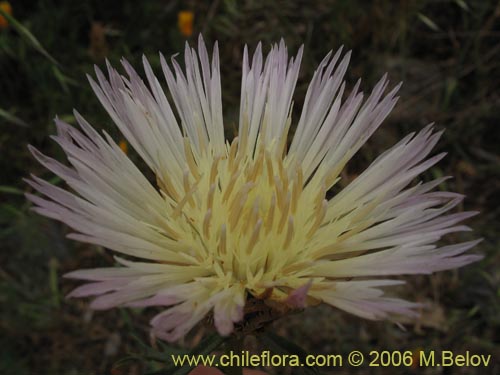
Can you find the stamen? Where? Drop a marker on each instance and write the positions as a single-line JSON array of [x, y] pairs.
[[243, 192], [300, 178], [253, 215], [213, 170], [230, 186], [284, 213], [222, 239], [166, 185], [279, 192], [187, 187], [320, 215], [232, 152], [182, 203], [320, 196], [210, 197], [257, 168], [289, 233], [269, 167], [254, 237], [206, 223], [283, 175], [296, 190], [270, 213], [237, 163], [188, 152], [237, 204]]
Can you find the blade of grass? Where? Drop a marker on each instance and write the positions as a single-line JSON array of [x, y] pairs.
[[28, 36], [10, 190], [428, 22], [63, 80], [281, 345], [7, 116]]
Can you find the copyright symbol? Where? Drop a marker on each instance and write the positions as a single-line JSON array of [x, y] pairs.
[[355, 358]]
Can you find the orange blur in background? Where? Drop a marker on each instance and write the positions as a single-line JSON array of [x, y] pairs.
[[7, 8]]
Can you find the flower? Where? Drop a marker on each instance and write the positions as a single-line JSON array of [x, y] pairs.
[[185, 20], [231, 223], [7, 8], [123, 146]]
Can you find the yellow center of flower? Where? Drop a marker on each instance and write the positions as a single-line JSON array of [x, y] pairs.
[[238, 213]]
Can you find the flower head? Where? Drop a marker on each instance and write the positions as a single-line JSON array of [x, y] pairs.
[[229, 223], [7, 8], [185, 20]]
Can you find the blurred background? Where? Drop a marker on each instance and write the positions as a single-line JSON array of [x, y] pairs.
[[447, 52]]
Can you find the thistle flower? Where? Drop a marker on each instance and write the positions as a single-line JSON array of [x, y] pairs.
[[229, 223]]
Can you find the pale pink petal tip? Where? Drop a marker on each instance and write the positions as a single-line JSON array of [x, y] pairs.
[[93, 289], [297, 298], [171, 324], [158, 300]]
